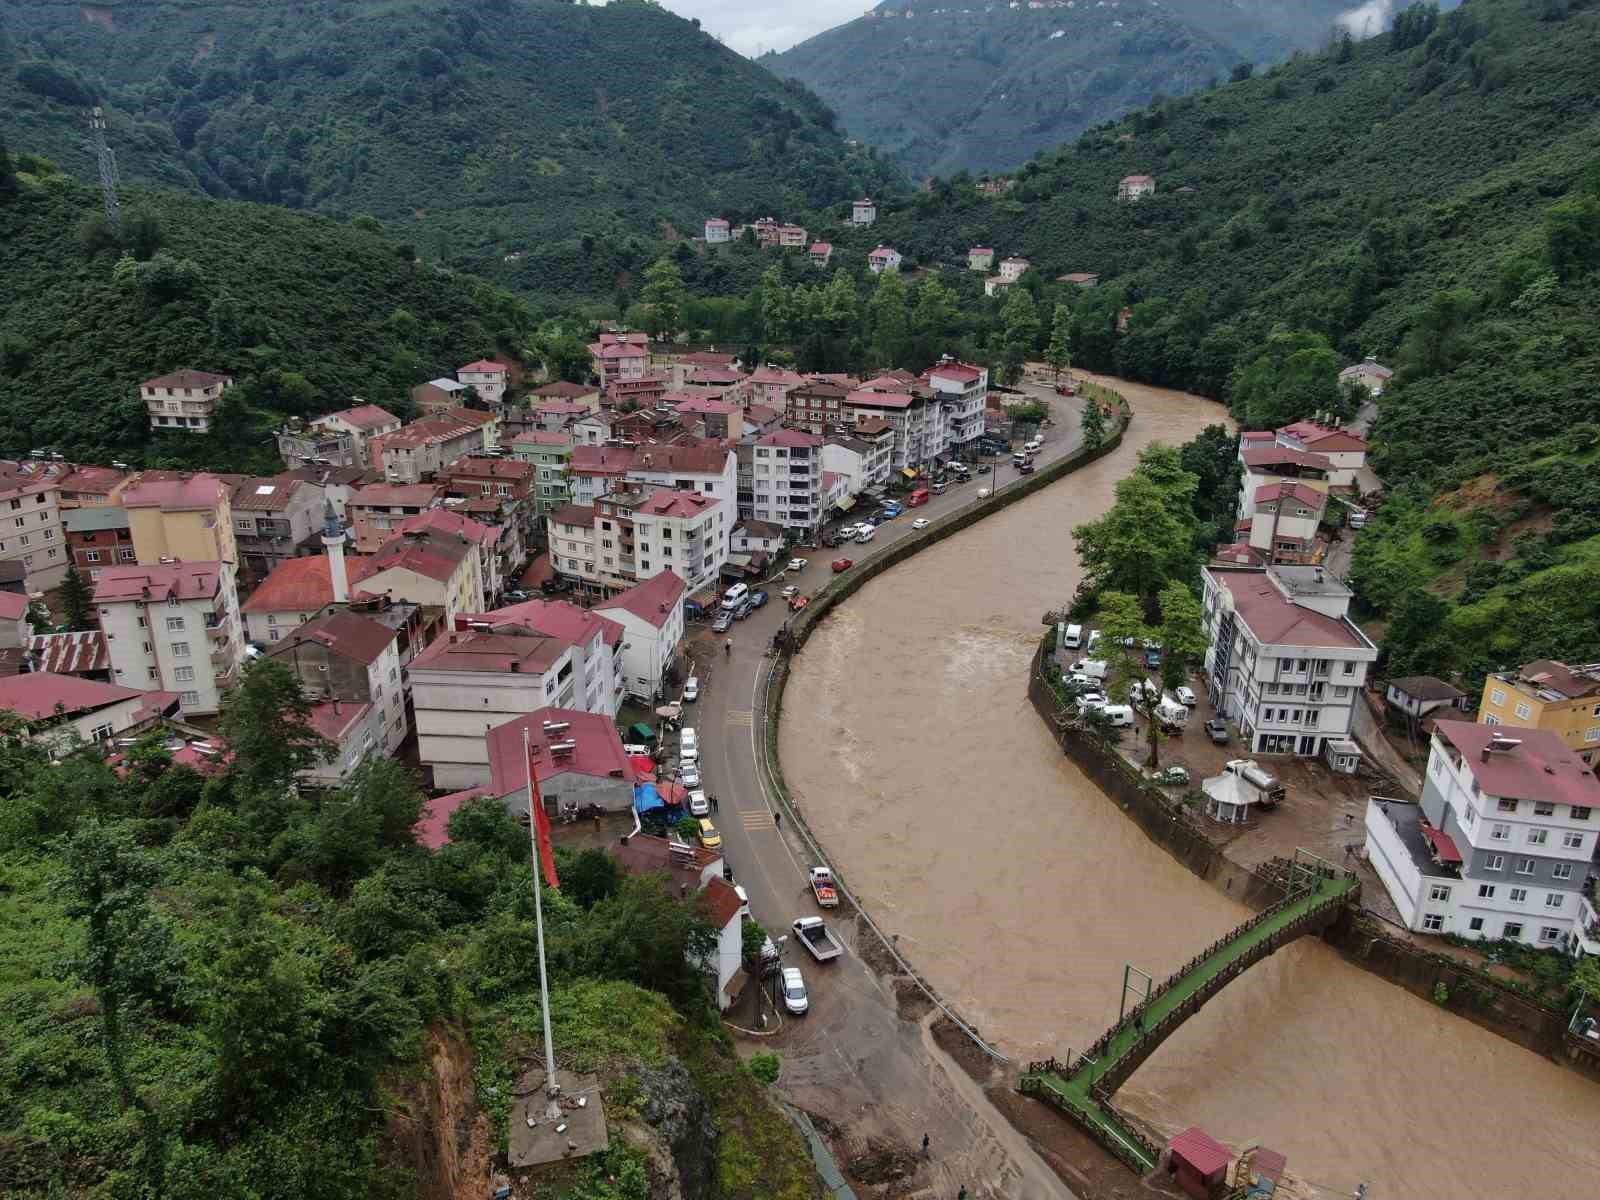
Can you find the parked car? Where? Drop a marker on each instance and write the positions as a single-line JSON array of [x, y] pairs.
[[689, 776], [842, 564], [1173, 776], [790, 592], [746, 607], [699, 806], [1026, 468], [794, 992], [797, 564], [688, 739], [1088, 700], [691, 689], [1186, 696], [516, 596], [920, 523], [709, 837], [1217, 731], [758, 599], [866, 535], [723, 623]]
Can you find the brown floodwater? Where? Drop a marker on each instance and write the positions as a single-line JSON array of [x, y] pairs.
[[1021, 891]]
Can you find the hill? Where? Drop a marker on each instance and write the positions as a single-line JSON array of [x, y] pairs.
[[574, 135], [303, 311], [983, 88]]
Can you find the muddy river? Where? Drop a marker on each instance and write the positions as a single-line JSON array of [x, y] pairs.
[[1021, 891]]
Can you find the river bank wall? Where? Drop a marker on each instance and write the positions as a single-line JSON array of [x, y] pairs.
[[1362, 940]]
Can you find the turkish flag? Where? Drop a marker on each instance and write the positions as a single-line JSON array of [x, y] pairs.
[[541, 824]]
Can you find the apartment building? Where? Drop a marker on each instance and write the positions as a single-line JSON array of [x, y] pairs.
[[550, 454], [487, 377], [786, 481], [601, 684], [173, 627], [183, 401], [337, 439], [861, 462], [628, 536], [1284, 524], [419, 451], [185, 519], [488, 548], [961, 390], [1285, 662], [33, 539], [275, 519], [377, 510], [1549, 695], [1501, 844], [618, 357], [651, 615]]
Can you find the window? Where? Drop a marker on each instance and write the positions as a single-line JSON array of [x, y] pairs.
[[1490, 719], [1504, 805], [1519, 895], [1497, 697], [49, 535], [101, 732], [1350, 668], [1439, 891], [26, 540], [1513, 929], [126, 554], [1580, 812], [1538, 837], [1486, 891], [191, 698], [1469, 816], [1561, 871], [1433, 922], [180, 649], [272, 635], [1592, 734], [183, 674], [1543, 808], [174, 624], [1495, 862], [1524, 712], [91, 556], [1525, 866], [1476, 924], [1572, 841], [1499, 833], [1549, 933], [1555, 899]]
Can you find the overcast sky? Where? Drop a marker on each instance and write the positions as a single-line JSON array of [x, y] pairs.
[[753, 26]]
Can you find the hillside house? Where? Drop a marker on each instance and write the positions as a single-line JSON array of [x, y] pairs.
[[651, 614], [980, 258], [339, 439], [1422, 695], [1136, 187], [716, 230], [488, 378], [792, 237], [719, 420], [1284, 524], [614, 360], [174, 627], [438, 395], [417, 451], [884, 258], [821, 252], [863, 212], [771, 385], [1549, 695], [1011, 269], [551, 457], [184, 401], [996, 285], [1083, 279], [1345, 451], [1368, 373], [488, 550]]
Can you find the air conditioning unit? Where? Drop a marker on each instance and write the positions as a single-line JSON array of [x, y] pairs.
[[563, 747], [557, 726]]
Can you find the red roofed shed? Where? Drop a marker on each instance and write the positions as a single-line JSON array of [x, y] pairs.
[[1199, 1161]]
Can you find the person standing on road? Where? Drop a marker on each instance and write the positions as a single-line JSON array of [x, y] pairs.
[[777, 819], [727, 646], [715, 807], [924, 1145]]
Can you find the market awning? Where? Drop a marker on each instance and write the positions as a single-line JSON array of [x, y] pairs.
[[644, 767], [1444, 846], [646, 798], [846, 504], [908, 472]]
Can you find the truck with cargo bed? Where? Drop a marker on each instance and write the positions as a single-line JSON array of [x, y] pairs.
[[814, 936], [822, 887]]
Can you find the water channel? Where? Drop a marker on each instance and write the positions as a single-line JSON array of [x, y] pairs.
[[1021, 891]]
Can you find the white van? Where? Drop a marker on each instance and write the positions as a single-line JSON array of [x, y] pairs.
[[1095, 667], [866, 535], [1033, 446], [1118, 715], [1073, 637], [734, 596]]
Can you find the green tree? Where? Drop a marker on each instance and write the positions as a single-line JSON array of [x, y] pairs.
[[1094, 424], [1181, 633], [77, 600], [665, 297], [776, 307], [8, 174], [1146, 539], [936, 316], [889, 320], [1124, 638], [39, 617], [592, 877], [1020, 320], [1059, 352], [646, 935], [266, 723], [1572, 233], [1295, 376]]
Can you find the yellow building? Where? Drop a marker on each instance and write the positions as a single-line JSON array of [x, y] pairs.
[[188, 519], [1548, 695]]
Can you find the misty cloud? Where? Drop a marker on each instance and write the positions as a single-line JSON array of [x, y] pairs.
[[1369, 19]]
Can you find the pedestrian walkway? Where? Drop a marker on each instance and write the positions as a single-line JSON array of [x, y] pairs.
[[1083, 1089], [755, 819], [740, 716]]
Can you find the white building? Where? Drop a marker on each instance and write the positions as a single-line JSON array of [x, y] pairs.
[[1346, 452], [861, 463], [961, 390], [980, 258], [786, 480], [1501, 844], [1285, 662], [863, 212], [1370, 374], [184, 400], [174, 627], [64, 711], [1011, 269], [709, 470], [31, 532], [1136, 187], [628, 536], [471, 680], [1284, 521], [487, 377], [352, 427], [884, 258], [601, 685], [716, 230], [652, 618]]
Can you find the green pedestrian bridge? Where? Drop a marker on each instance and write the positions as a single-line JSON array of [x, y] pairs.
[[1082, 1089]]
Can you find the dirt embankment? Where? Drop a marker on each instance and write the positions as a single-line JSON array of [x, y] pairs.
[[436, 1128]]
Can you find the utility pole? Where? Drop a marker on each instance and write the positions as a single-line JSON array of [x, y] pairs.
[[108, 169], [552, 1089]]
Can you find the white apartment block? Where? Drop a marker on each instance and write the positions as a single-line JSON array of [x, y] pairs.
[[184, 400], [1502, 843], [786, 480], [861, 462], [628, 536], [1285, 662], [651, 616], [31, 532], [601, 685], [173, 627], [487, 377], [961, 390]]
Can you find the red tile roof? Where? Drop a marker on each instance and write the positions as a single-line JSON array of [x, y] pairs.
[[797, 438], [723, 905], [574, 514], [347, 634], [562, 388], [1138, 179], [1539, 767], [335, 719], [485, 366], [197, 493], [92, 481], [690, 403], [302, 585], [1313, 433], [556, 618], [445, 427], [436, 557], [433, 830], [1269, 456], [365, 416], [962, 371], [36, 695], [707, 358], [186, 581], [867, 399], [882, 252], [443, 521], [13, 606], [1194, 1145], [777, 375], [822, 247], [1559, 677], [1295, 491], [481, 466], [647, 855], [709, 459], [1276, 620], [616, 350], [1443, 844], [266, 493], [652, 601], [873, 426], [665, 502], [394, 495], [981, 250], [186, 378], [598, 750], [500, 651], [69, 653], [602, 460]]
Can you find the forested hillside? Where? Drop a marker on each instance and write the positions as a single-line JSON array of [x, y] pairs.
[[574, 135], [981, 88], [219, 985], [304, 312]]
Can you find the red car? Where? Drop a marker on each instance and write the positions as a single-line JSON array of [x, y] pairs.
[[843, 564]]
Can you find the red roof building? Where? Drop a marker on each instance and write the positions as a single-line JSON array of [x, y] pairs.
[[1199, 1162], [577, 758], [653, 601], [433, 830]]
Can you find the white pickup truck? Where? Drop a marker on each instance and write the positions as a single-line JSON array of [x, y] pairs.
[[814, 936]]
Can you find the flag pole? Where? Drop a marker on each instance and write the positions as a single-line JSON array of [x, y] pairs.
[[552, 1089]]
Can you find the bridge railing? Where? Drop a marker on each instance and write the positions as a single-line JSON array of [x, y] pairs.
[[1103, 1122]]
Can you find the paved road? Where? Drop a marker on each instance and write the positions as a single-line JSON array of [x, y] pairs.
[[876, 1078]]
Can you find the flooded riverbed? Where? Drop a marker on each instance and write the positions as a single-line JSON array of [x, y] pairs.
[[1021, 892]]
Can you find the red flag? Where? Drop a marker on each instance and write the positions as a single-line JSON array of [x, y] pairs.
[[541, 823]]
